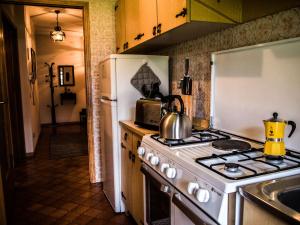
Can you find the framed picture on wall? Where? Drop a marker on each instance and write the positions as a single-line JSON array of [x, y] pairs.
[[66, 75], [33, 66]]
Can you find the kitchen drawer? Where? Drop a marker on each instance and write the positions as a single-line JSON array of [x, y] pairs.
[[126, 137]]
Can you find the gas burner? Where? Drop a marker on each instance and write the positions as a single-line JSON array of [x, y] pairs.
[[230, 145], [231, 167], [173, 141], [276, 160], [197, 137]]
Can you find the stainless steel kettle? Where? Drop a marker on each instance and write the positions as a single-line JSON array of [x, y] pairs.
[[175, 125]]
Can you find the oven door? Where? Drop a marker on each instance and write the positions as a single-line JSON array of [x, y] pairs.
[[158, 193], [185, 212], [164, 205]]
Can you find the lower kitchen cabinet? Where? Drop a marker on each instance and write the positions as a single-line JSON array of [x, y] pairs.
[[132, 178]]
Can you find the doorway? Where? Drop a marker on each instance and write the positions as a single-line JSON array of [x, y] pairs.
[[12, 150]]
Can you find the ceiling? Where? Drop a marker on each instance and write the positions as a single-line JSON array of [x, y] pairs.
[[44, 20]]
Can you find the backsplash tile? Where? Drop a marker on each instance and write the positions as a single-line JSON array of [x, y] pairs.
[[283, 25]]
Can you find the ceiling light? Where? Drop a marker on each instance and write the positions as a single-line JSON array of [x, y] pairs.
[[57, 34]]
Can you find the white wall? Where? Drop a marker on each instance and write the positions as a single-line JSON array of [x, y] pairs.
[[26, 40], [68, 52]]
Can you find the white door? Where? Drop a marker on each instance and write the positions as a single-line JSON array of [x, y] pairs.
[[126, 68], [110, 153]]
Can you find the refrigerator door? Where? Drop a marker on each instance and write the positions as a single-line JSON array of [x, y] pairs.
[[110, 154], [108, 79], [126, 68]]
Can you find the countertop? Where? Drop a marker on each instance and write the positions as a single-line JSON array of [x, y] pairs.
[[129, 124]]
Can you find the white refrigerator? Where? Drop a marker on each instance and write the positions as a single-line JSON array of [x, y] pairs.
[[118, 99]]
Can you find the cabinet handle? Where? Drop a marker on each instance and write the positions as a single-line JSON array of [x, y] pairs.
[[159, 28], [125, 136], [133, 158], [139, 36], [125, 45], [130, 154], [154, 31], [123, 146], [182, 13], [138, 144]]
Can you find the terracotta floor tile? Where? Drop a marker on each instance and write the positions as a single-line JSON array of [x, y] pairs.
[[58, 191]]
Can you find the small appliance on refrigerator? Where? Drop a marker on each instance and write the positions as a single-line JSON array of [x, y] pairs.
[[118, 100]]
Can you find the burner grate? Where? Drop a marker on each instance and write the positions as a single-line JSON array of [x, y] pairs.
[[196, 138], [295, 163]]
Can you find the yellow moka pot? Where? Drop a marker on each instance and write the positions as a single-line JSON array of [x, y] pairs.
[[274, 130]]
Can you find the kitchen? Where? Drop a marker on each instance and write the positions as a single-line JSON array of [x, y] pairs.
[[215, 59], [224, 83]]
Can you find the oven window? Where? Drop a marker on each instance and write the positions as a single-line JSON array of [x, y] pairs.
[[158, 204]]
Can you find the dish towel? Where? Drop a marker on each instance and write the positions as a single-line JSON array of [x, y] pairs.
[[144, 79]]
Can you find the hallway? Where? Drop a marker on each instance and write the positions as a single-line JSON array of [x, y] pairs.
[[49, 191]]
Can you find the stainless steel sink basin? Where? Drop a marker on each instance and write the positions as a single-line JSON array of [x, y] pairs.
[[289, 198], [281, 196], [284, 192]]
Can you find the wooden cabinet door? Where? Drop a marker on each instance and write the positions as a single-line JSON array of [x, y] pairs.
[[147, 18], [137, 184], [132, 22], [126, 176], [170, 14], [120, 25]]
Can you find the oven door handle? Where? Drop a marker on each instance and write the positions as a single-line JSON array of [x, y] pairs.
[[190, 214], [162, 186]]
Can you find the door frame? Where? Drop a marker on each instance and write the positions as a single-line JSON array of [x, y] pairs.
[[84, 5]]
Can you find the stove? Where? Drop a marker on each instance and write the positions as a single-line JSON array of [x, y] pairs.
[[208, 171]]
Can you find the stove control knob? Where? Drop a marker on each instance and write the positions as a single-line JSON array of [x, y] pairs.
[[141, 151], [164, 167], [192, 187], [171, 172], [154, 160], [149, 155], [202, 195]]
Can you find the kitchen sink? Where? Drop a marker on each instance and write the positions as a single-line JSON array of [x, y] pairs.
[[282, 196], [288, 199]]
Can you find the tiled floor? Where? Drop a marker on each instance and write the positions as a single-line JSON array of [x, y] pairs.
[[59, 192]]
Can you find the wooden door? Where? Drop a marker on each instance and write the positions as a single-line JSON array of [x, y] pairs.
[[132, 22], [6, 143], [171, 14], [14, 89], [137, 183], [147, 19], [120, 25]]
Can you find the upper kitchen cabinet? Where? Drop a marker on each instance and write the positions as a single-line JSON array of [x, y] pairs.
[[132, 23], [151, 24], [147, 19], [170, 14], [120, 25]]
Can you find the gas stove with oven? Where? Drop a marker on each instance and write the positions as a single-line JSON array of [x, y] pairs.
[[204, 173]]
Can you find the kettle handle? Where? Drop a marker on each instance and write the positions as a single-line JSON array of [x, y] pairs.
[[171, 98], [293, 124], [180, 101]]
